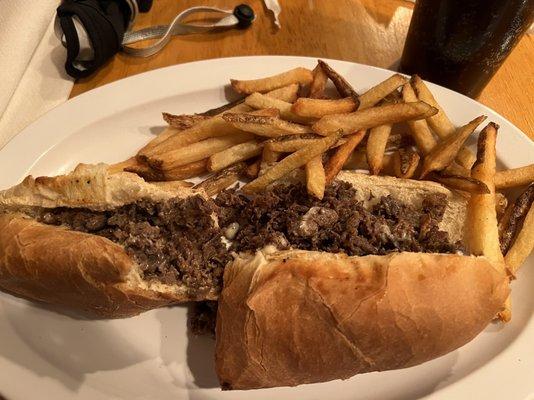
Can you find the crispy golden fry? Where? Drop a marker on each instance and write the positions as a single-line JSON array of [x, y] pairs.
[[174, 184], [440, 123], [514, 177], [371, 117], [198, 151], [253, 169], [501, 204], [509, 226], [167, 133], [315, 177], [225, 107], [212, 127], [299, 75], [234, 154], [419, 129], [482, 230], [291, 143], [358, 160], [131, 162], [269, 156], [376, 146], [464, 183], [184, 172], [287, 93], [343, 152], [260, 101], [405, 162], [343, 87], [317, 108], [146, 172], [523, 245], [183, 121], [222, 179], [291, 162], [378, 92], [318, 84], [445, 152], [265, 125]]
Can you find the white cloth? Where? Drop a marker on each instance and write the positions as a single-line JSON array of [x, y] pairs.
[[31, 64]]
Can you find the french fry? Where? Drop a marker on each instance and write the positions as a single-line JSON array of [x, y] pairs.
[[482, 229], [265, 125], [419, 129], [186, 171], [290, 143], [358, 160], [514, 177], [376, 146], [121, 166], [291, 162], [439, 122], [463, 183], [183, 172], [508, 227], [234, 154], [146, 172], [167, 133], [343, 87], [198, 151], [318, 84], [315, 177], [523, 245], [225, 107], [405, 162], [212, 127], [338, 159], [378, 92], [445, 152], [222, 179], [299, 75], [253, 169], [287, 93], [317, 108], [261, 101], [183, 121], [371, 117], [269, 156], [174, 184]]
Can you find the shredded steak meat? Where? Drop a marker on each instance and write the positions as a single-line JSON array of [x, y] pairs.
[[173, 241], [178, 241], [287, 217]]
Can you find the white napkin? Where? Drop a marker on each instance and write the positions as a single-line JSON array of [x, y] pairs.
[[31, 64]]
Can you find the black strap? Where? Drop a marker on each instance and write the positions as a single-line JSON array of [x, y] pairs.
[[105, 23]]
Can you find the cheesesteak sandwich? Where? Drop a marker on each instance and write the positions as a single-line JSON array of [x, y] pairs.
[[374, 276]]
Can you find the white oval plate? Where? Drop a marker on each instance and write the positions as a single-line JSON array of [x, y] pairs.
[[49, 355]]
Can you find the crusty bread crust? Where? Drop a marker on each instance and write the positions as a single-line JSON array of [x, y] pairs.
[[78, 270], [88, 186], [300, 317]]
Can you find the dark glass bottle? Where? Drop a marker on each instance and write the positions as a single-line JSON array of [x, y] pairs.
[[460, 44]]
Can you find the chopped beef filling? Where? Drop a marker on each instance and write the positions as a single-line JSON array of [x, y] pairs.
[[174, 241], [178, 241], [287, 217]]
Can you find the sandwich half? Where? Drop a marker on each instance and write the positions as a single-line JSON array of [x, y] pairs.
[[375, 276]]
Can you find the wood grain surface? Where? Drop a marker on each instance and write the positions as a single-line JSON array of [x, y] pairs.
[[364, 31]]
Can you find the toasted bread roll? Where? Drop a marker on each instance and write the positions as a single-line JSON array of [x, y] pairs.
[[301, 317]]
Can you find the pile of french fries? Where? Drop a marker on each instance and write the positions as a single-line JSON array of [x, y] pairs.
[[287, 123]]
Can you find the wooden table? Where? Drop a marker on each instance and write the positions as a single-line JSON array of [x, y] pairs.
[[365, 31]]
